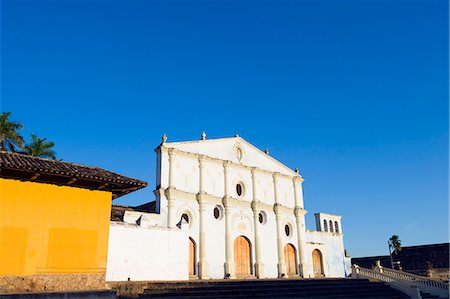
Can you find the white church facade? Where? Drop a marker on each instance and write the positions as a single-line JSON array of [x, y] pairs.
[[224, 209]]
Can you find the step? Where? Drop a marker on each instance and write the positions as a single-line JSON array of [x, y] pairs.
[[266, 288], [273, 288], [179, 285]]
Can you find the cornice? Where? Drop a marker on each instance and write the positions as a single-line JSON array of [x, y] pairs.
[[175, 193], [205, 198], [259, 206], [299, 212], [280, 209], [230, 202]]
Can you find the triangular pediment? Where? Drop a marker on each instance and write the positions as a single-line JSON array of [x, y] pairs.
[[235, 149]]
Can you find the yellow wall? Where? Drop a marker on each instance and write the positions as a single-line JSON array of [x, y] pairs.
[[46, 228]]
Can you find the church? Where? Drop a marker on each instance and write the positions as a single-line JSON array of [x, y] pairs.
[[224, 209]]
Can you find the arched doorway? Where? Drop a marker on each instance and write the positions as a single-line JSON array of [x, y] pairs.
[[290, 257], [191, 257], [242, 257], [317, 263]]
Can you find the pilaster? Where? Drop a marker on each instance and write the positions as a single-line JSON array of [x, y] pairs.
[[281, 262], [229, 252]]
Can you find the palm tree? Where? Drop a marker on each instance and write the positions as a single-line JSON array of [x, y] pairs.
[[10, 139], [39, 147], [394, 243]]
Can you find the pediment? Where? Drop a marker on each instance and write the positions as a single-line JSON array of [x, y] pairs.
[[235, 149]]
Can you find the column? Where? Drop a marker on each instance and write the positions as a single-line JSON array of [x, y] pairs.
[[259, 267], [278, 219], [171, 210], [301, 230], [229, 250], [202, 263]]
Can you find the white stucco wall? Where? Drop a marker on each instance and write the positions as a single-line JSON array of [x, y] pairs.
[[331, 245], [146, 253]]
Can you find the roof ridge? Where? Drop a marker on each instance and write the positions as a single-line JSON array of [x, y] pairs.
[[48, 160]]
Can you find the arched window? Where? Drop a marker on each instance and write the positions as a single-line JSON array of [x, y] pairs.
[[185, 217], [325, 225], [331, 226], [287, 230], [336, 227]]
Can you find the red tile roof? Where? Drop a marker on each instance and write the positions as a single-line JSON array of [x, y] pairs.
[[29, 168]]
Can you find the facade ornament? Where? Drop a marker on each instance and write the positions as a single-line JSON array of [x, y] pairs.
[[296, 169], [267, 151], [164, 138], [236, 135], [203, 135]]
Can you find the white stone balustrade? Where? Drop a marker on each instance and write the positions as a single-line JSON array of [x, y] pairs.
[[406, 282]]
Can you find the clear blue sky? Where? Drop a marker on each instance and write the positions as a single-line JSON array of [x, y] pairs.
[[354, 93]]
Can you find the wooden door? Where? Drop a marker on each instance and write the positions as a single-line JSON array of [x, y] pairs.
[[317, 263], [242, 261], [191, 257], [290, 259]]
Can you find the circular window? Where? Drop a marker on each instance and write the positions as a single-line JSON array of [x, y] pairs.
[[185, 217], [218, 212], [287, 230], [262, 217], [239, 189]]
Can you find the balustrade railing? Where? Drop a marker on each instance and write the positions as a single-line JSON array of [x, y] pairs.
[[406, 282]]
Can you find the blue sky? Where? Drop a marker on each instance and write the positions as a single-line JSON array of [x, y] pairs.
[[354, 93]]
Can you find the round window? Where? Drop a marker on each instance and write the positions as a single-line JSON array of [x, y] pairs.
[[262, 217], [218, 212], [239, 189], [185, 217], [287, 230]]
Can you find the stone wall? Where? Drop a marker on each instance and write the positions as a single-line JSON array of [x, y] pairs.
[[51, 282], [440, 274]]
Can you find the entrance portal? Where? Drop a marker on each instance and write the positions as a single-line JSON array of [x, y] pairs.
[[317, 263], [191, 257], [290, 258], [242, 257]]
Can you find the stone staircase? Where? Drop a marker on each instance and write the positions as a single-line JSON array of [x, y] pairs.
[[273, 288]]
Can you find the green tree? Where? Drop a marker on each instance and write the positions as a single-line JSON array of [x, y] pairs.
[[40, 147], [10, 138], [395, 244]]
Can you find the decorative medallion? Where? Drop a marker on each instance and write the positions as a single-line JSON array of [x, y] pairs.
[[238, 152]]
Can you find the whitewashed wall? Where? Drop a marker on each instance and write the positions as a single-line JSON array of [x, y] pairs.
[[331, 245], [215, 234], [268, 239], [146, 253]]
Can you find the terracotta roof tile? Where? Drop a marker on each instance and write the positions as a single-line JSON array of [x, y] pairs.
[[24, 167]]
